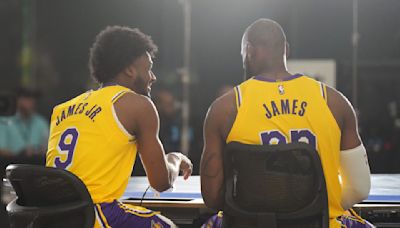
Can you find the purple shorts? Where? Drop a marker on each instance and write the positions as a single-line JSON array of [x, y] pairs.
[[119, 215], [347, 221], [353, 220]]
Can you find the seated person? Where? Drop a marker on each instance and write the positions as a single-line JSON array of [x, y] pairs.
[[26, 132], [273, 106], [97, 134]]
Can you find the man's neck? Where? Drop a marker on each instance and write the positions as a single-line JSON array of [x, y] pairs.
[[114, 83], [275, 74], [274, 70]]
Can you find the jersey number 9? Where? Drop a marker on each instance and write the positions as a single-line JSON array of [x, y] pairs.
[[66, 145]]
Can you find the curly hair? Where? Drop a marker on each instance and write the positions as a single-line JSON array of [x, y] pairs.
[[115, 48]]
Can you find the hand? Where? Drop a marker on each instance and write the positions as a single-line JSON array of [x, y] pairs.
[[186, 166]]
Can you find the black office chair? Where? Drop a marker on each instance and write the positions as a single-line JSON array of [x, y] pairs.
[[274, 186], [48, 198]]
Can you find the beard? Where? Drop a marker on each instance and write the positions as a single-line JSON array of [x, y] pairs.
[[140, 86]]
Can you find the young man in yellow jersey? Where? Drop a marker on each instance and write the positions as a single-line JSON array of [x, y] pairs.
[[97, 134], [273, 106]]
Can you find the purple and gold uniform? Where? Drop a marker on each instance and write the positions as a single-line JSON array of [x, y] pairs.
[[87, 139], [293, 110]]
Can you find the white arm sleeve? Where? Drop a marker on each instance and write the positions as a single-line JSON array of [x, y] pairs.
[[355, 174]]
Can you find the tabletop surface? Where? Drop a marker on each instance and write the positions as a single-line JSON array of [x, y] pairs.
[[385, 188]]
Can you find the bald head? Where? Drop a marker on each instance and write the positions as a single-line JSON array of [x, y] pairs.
[[263, 45], [267, 33]]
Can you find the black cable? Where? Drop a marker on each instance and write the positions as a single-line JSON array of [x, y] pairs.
[[144, 193]]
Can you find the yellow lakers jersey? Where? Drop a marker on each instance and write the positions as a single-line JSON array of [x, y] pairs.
[[87, 139], [292, 110]]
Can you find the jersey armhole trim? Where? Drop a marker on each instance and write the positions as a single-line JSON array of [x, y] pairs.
[[120, 126], [323, 91], [238, 96], [118, 95]]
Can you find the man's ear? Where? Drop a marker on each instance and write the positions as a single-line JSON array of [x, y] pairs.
[[131, 71], [250, 50], [287, 51]]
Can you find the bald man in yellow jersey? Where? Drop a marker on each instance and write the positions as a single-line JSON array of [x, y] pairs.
[[98, 134], [273, 106]]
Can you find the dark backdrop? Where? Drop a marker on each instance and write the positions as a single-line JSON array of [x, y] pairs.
[[315, 29]]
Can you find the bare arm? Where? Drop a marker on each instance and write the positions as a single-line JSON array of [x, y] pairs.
[[139, 116], [217, 125], [354, 168], [345, 116]]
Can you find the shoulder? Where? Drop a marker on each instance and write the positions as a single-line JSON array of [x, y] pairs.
[[135, 107], [339, 105], [222, 113], [224, 104], [337, 98], [135, 102], [136, 112]]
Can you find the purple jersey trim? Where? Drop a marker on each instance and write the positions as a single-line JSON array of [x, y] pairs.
[[323, 90], [261, 78], [118, 95], [239, 95], [99, 216]]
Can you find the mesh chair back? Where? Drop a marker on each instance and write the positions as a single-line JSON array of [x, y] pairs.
[[48, 197], [277, 185]]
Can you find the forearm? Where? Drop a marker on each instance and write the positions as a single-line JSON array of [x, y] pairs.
[[212, 181], [213, 195], [173, 161], [355, 175]]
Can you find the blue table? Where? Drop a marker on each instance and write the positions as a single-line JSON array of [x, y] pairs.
[[185, 198], [385, 188]]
